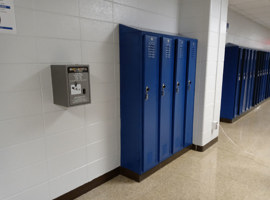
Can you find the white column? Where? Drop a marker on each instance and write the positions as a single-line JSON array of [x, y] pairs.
[[206, 20]]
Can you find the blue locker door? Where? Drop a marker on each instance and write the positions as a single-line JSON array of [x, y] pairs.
[[238, 83], [268, 77], [253, 79], [151, 99], [252, 73], [190, 91], [267, 74], [263, 74], [257, 75], [246, 82], [263, 91], [243, 82], [179, 95], [262, 77], [166, 97], [249, 77], [259, 79]]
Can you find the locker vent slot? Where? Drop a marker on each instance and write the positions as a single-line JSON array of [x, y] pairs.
[[181, 53], [193, 52], [167, 51], [151, 49]]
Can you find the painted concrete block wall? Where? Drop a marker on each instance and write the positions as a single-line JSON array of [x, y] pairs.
[[245, 32], [47, 150]]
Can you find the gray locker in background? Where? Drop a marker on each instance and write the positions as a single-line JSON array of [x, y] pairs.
[[71, 84]]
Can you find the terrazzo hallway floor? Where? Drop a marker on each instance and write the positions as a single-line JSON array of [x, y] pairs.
[[237, 167]]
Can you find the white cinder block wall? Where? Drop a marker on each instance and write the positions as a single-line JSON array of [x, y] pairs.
[[245, 32], [47, 150]]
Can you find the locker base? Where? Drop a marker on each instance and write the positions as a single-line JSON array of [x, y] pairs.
[[243, 114], [205, 147], [136, 177]]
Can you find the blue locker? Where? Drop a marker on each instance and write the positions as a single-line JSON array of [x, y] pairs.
[[249, 77], [268, 80], [246, 77], [156, 111], [261, 77], [265, 75], [179, 95], [262, 74], [243, 82], [190, 90], [268, 75], [150, 106], [238, 83], [253, 78], [256, 81], [166, 97], [253, 68], [139, 87], [231, 82]]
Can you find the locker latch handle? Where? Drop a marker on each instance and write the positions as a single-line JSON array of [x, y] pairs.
[[177, 87], [189, 84], [163, 89], [146, 93]]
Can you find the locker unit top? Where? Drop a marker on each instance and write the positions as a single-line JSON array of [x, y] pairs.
[[242, 47], [125, 28]]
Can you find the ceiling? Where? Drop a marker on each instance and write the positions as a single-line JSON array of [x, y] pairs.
[[257, 10]]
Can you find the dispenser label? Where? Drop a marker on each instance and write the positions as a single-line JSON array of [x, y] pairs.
[[76, 89]]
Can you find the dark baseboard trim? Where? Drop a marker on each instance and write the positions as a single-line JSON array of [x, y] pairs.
[[111, 174], [243, 114], [137, 177], [227, 120], [205, 147], [90, 185]]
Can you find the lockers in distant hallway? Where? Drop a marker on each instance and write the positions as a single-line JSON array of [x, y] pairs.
[[157, 79], [245, 80]]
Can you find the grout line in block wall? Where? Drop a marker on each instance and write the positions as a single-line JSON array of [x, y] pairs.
[[43, 118], [102, 20], [84, 106], [28, 189], [141, 9]]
